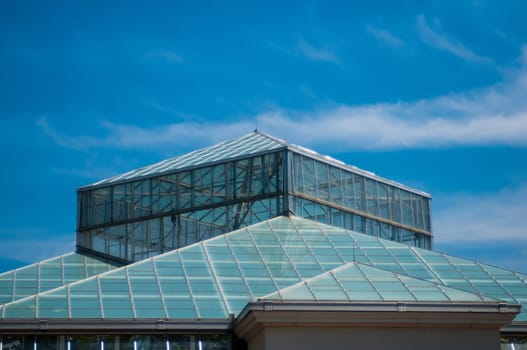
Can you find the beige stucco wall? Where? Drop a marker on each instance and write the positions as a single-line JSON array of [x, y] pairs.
[[317, 338], [383, 326]]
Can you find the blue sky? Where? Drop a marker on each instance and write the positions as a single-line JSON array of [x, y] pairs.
[[432, 94]]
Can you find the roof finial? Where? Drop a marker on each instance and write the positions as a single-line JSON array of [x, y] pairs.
[[256, 125]]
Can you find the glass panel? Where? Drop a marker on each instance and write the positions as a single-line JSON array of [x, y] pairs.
[[180, 307], [322, 180], [360, 192], [53, 305], [122, 202], [85, 301], [21, 309], [309, 178], [371, 197], [383, 200], [335, 186]]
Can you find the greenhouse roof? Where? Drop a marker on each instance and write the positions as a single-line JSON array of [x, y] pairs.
[[357, 282], [283, 258], [246, 145], [49, 274]]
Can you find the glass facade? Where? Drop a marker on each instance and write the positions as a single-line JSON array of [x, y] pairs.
[[142, 218], [340, 197], [200, 195]]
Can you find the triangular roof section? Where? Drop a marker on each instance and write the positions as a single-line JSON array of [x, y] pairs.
[[252, 143], [49, 274], [248, 144], [216, 278], [358, 282]]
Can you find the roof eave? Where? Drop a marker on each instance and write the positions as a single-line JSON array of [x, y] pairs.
[[109, 326]]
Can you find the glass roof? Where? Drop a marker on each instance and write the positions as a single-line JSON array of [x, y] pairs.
[[356, 282], [285, 255], [49, 274], [251, 143]]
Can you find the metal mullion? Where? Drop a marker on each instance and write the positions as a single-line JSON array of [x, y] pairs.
[[387, 191], [85, 263], [68, 296], [162, 295], [183, 268], [315, 179], [99, 291], [328, 174], [364, 194], [246, 187], [132, 302], [13, 290], [354, 193], [154, 197], [301, 166], [401, 207], [410, 203], [192, 187], [287, 181], [37, 299]]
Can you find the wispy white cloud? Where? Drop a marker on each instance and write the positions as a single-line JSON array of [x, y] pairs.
[[123, 136], [441, 41], [324, 54], [496, 115], [481, 217], [385, 36], [80, 143]]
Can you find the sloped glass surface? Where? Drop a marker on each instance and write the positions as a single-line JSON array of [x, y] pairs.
[[354, 281], [251, 143], [49, 274], [288, 256]]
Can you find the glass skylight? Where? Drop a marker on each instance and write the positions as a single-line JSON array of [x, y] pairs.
[[289, 256], [49, 274]]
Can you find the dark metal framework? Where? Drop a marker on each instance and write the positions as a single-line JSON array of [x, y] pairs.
[[140, 218]]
